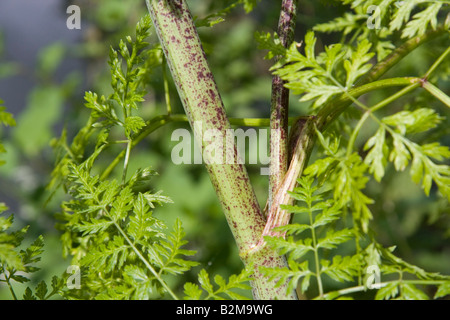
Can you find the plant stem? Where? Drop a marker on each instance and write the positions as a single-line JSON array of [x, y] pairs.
[[316, 248], [125, 162], [204, 107], [280, 106], [399, 53], [435, 91], [437, 63], [7, 280], [166, 86], [144, 260], [336, 106], [351, 141], [276, 216], [378, 286], [394, 97]]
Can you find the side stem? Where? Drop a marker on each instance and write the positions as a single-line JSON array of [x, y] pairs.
[[280, 106]]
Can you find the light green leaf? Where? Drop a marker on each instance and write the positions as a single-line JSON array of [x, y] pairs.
[[376, 157], [357, 65], [296, 249], [399, 155], [134, 123], [419, 120], [192, 291], [41, 290], [411, 292], [418, 25], [443, 290], [334, 238]]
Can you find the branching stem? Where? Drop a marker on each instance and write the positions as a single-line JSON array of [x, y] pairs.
[[203, 105]]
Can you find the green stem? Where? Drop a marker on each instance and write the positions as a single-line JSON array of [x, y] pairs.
[[8, 282], [395, 96], [378, 106], [351, 141], [147, 264], [425, 84], [204, 109], [316, 249], [166, 87], [154, 124], [435, 91], [437, 63], [399, 53], [361, 288], [125, 162], [335, 107]]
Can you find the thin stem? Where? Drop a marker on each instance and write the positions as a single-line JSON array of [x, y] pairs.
[[316, 249], [395, 96], [8, 282], [435, 91], [153, 124], [147, 264], [437, 63], [378, 286], [335, 107], [351, 141], [125, 162], [345, 291], [280, 105], [399, 53], [166, 87], [428, 86], [378, 106]]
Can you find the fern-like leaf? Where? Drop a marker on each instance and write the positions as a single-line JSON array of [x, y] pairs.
[[225, 288]]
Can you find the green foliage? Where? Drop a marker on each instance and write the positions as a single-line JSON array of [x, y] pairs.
[[124, 250], [321, 214], [347, 172], [321, 77], [6, 119], [331, 233], [378, 20], [401, 149], [19, 266], [115, 225], [109, 226], [311, 252], [224, 290]]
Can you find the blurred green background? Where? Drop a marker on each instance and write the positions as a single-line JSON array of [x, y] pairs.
[[45, 69]]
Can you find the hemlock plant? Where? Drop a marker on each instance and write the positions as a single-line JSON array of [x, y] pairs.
[[318, 176]]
